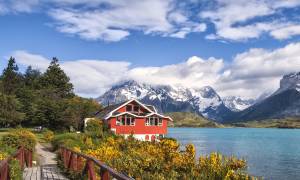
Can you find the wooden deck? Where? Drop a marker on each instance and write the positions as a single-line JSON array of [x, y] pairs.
[[33, 173], [48, 169], [48, 172]]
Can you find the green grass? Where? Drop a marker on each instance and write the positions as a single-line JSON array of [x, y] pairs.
[[186, 119], [3, 131], [271, 123]]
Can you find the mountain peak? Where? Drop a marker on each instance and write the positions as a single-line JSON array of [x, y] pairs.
[[236, 103], [289, 81], [168, 98]]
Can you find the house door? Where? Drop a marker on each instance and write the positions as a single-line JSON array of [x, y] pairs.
[[153, 138]]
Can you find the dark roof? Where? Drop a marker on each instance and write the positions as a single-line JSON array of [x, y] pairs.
[[103, 112]]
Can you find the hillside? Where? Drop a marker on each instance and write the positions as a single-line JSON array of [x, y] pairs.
[[187, 119], [271, 123]]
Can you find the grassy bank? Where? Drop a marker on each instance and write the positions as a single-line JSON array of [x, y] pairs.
[[271, 123], [187, 119]]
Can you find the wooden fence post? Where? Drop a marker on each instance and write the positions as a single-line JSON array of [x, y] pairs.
[[104, 174]]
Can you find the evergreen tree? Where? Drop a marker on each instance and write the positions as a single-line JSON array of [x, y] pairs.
[[11, 79], [32, 77], [56, 79], [10, 114]]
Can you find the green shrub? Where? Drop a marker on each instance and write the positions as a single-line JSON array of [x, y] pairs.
[[48, 135], [69, 140], [19, 137], [15, 170], [94, 128]]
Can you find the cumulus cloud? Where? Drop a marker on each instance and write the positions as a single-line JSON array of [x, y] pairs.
[[286, 32], [115, 23], [16, 6], [115, 20], [258, 70], [237, 20], [195, 72], [89, 77], [248, 75]]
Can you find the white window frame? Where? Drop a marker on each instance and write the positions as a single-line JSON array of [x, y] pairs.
[[160, 122], [126, 119], [153, 121], [118, 121], [147, 123]]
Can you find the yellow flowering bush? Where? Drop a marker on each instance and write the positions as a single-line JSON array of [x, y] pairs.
[[161, 160], [20, 137], [48, 135], [164, 160], [3, 155]]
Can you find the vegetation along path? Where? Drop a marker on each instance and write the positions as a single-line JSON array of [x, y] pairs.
[[48, 166]]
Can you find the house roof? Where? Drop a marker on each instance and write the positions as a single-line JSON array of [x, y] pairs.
[[152, 108], [111, 111], [103, 112]]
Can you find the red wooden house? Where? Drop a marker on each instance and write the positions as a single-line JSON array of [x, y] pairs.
[[136, 118]]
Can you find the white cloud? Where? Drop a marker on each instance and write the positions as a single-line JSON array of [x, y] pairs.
[[232, 19], [16, 6], [94, 77], [250, 74], [114, 20], [27, 59], [258, 70], [286, 32], [89, 77], [195, 72], [115, 23]]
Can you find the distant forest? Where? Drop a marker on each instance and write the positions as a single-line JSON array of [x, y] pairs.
[[47, 99]]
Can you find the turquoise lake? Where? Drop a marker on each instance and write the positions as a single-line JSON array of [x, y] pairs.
[[270, 153]]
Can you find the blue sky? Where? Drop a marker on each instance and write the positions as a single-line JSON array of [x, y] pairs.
[[220, 43]]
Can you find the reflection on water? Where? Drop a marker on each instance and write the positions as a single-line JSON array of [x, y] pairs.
[[271, 153]]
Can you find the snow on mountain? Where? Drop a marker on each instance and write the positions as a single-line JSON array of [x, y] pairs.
[[204, 101], [235, 103], [290, 81]]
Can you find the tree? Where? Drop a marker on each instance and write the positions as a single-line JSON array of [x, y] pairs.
[[56, 79], [32, 77], [11, 79], [29, 94], [10, 114], [78, 109]]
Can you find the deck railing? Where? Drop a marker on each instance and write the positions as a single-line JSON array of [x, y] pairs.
[[24, 157], [74, 161]]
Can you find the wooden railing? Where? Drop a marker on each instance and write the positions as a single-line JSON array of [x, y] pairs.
[[24, 157], [74, 161]]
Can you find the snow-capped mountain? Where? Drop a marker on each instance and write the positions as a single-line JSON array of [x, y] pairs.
[[235, 103], [204, 101], [285, 102], [290, 81]]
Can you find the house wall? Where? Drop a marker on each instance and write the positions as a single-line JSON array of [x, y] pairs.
[[139, 128]]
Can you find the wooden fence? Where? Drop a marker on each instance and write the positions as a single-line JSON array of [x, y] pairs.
[[24, 157], [86, 165]]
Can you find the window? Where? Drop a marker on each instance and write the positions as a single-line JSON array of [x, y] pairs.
[[129, 108], [136, 108], [153, 121], [125, 121], [148, 122], [118, 122], [160, 122]]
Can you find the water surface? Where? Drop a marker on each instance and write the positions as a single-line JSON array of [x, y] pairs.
[[271, 153]]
